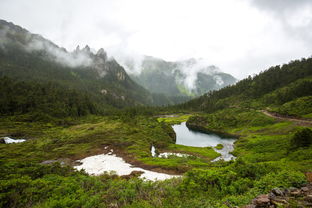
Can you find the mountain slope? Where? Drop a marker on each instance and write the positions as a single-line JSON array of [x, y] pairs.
[[184, 78], [275, 88], [31, 58]]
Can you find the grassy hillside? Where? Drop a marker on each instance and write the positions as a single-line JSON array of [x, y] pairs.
[[270, 89]]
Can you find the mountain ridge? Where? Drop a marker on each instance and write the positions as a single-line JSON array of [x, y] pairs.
[[29, 57], [191, 77]]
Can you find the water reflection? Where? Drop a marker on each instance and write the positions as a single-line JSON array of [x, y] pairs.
[[188, 137]]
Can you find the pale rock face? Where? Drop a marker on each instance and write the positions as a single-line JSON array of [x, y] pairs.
[[120, 76], [102, 54]]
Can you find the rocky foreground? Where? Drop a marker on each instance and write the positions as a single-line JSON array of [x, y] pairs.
[[291, 197]]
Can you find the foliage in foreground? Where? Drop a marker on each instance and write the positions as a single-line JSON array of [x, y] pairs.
[[265, 164], [34, 185]]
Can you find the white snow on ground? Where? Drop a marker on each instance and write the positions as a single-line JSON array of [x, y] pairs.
[[9, 140], [167, 154], [98, 164], [225, 152]]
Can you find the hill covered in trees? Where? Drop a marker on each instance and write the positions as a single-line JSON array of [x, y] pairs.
[[33, 62], [286, 89]]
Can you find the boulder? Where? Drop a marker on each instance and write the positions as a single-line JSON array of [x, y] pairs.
[[293, 189], [309, 176], [2, 141], [272, 195], [249, 206], [304, 189], [277, 192], [308, 198], [296, 193], [47, 162], [279, 202], [302, 197], [262, 201]]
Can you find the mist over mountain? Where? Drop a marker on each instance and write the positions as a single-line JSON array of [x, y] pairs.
[[192, 77], [95, 72], [31, 58]]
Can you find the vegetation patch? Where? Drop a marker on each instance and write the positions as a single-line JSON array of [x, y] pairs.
[[174, 119], [219, 147]]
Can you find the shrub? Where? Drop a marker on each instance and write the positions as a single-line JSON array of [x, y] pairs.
[[302, 138]]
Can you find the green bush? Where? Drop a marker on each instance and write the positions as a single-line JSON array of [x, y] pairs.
[[299, 107], [302, 138], [283, 179]]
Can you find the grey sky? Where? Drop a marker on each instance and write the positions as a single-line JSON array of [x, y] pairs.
[[242, 37]]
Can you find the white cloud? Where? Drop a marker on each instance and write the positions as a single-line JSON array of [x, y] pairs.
[[240, 36]]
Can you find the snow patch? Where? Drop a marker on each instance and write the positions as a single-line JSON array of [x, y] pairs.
[[167, 154], [225, 152], [99, 164], [9, 140], [153, 151]]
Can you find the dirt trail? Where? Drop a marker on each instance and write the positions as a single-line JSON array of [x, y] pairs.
[[299, 121]]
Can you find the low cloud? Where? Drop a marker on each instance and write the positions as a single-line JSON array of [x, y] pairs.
[[280, 6], [241, 37], [60, 54], [191, 69], [10, 33]]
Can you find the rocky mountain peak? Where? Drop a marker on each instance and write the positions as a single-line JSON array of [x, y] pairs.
[[86, 49], [77, 49], [102, 53]]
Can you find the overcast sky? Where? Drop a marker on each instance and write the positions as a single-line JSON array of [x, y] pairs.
[[242, 37]]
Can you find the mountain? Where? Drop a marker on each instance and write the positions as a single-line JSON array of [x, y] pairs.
[[34, 60], [285, 89], [183, 78]]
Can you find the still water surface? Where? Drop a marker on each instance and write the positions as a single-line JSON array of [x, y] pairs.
[[188, 137]]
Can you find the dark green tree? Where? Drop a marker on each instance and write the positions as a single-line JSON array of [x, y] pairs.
[[302, 138]]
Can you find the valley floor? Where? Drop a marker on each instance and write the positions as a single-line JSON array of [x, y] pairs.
[[265, 160]]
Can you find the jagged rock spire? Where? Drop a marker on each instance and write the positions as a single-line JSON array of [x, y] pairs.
[[77, 50], [101, 53], [86, 49]]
